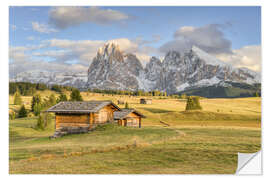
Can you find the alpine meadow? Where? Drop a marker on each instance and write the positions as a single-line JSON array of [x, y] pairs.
[[133, 90]]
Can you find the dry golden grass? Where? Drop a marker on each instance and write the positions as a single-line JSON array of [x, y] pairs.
[[204, 141], [246, 106]]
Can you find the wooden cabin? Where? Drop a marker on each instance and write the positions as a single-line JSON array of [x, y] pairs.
[[77, 116], [128, 117], [145, 101]]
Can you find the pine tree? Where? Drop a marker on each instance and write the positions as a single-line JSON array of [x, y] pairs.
[[17, 98], [75, 95], [193, 103], [22, 112], [189, 104], [35, 100], [126, 106], [37, 109]]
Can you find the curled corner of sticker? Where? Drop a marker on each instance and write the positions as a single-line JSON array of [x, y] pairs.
[[249, 164]]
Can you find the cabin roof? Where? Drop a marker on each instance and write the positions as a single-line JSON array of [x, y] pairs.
[[125, 112], [81, 106]]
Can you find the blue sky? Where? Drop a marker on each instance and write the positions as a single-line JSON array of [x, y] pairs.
[[68, 37]]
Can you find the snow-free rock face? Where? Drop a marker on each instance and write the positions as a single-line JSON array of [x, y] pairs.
[[112, 69]]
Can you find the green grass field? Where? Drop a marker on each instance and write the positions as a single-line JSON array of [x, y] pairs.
[[195, 142]]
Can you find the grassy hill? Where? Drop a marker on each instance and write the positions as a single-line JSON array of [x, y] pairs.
[[195, 142]]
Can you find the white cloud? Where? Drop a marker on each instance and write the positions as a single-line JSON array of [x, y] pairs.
[[63, 51], [59, 55], [126, 45], [42, 28], [82, 50], [85, 50], [155, 38], [23, 59], [209, 38], [17, 54], [247, 56], [143, 53], [15, 68], [63, 17], [144, 58], [184, 29]]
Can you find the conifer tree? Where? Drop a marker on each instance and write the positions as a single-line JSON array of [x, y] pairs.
[[22, 112], [36, 99], [189, 104], [193, 103], [37, 109], [75, 95], [126, 106]]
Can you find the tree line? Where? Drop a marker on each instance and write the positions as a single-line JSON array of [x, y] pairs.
[[28, 89], [127, 92], [38, 104]]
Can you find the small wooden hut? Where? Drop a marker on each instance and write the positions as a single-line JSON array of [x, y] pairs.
[[82, 116], [145, 101], [128, 117]]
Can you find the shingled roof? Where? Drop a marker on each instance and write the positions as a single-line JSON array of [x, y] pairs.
[[124, 112], [80, 106]]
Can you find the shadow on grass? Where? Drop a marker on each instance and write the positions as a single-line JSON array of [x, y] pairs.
[[154, 110]]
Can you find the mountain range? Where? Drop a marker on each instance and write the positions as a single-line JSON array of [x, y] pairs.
[[73, 79], [111, 68]]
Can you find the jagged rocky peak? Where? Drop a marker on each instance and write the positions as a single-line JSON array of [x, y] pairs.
[[155, 60], [172, 55], [211, 60], [110, 51], [113, 69], [153, 65], [172, 58]]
